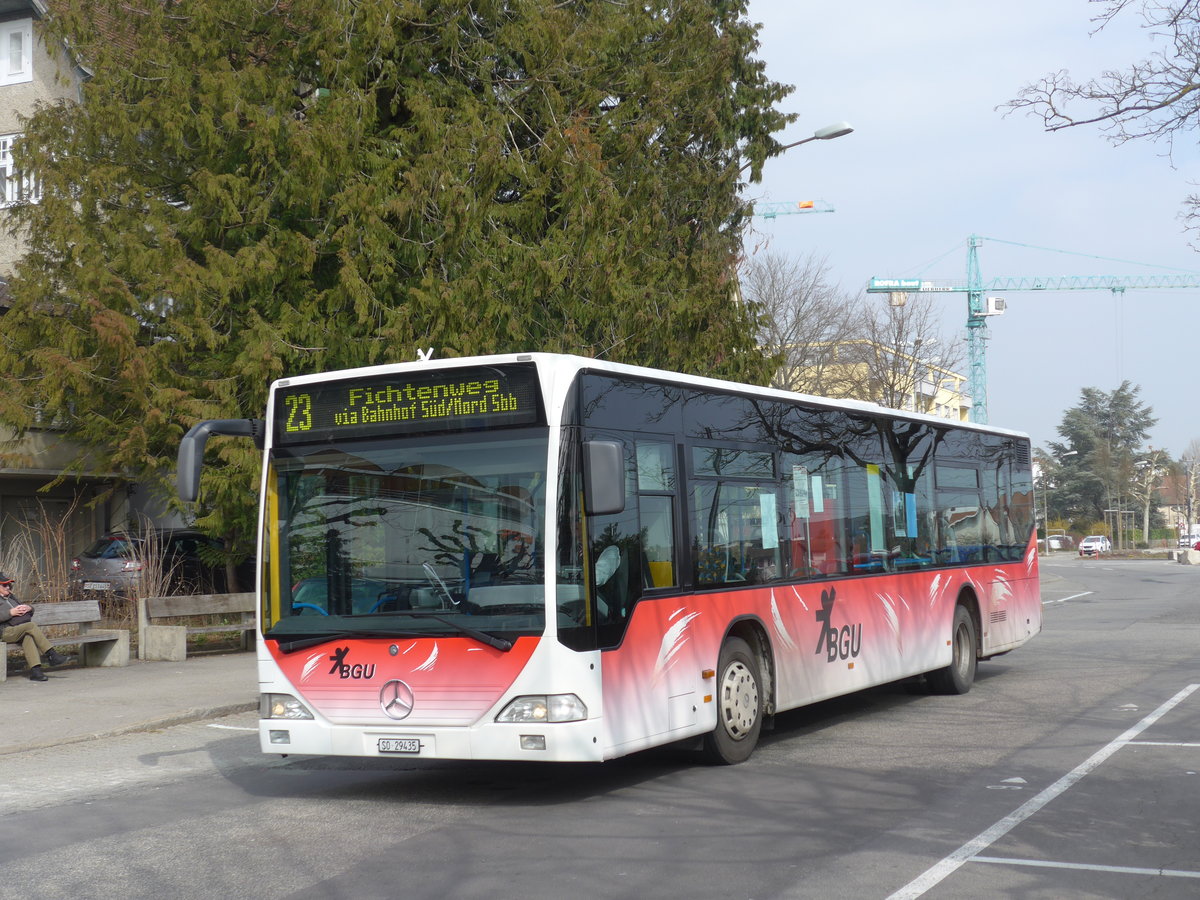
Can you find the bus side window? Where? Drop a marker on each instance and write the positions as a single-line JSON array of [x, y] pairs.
[[656, 504], [737, 534], [960, 515], [813, 529], [633, 550]]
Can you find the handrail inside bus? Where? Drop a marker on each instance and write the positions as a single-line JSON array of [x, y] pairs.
[[191, 450]]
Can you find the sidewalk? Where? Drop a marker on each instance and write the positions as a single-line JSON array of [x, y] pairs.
[[80, 704]]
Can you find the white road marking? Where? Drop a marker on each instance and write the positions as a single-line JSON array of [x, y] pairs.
[[1072, 597], [231, 727], [950, 864], [1120, 870]]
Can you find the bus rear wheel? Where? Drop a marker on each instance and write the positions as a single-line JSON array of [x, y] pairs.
[[739, 705], [957, 677]]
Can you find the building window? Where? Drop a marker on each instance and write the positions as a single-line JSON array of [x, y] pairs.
[[14, 188], [16, 51]]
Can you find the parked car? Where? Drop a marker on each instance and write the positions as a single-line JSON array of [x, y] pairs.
[[1094, 545], [1061, 542], [117, 562]]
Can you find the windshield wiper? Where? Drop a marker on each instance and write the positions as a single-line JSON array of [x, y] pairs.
[[291, 646], [498, 643], [483, 637]]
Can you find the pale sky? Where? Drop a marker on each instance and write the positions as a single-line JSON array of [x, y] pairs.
[[932, 161]]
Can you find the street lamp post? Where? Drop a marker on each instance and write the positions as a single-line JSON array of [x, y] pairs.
[[828, 133]]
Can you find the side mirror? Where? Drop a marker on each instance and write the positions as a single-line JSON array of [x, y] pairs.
[[603, 478], [191, 449]]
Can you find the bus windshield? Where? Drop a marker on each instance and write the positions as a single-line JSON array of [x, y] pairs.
[[424, 537]]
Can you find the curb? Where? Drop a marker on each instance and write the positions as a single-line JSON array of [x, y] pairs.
[[181, 718]]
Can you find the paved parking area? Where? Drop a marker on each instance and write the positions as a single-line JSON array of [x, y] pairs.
[[1122, 823]]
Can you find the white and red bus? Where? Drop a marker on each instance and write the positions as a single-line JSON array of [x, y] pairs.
[[547, 557]]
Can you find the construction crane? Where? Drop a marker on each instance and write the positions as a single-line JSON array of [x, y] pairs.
[[790, 208], [980, 306]]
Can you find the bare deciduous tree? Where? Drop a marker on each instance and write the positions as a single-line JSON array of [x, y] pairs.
[[1144, 484], [1190, 466], [805, 319], [1156, 98], [836, 344], [902, 351]]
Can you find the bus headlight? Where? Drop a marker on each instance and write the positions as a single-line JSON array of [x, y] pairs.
[[544, 708], [281, 706]]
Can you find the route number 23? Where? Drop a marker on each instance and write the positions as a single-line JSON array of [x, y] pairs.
[[299, 412]]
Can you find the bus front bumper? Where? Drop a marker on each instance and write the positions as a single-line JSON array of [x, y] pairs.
[[546, 742]]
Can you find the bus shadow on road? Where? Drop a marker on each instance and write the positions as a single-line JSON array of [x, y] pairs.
[[872, 702], [459, 782]]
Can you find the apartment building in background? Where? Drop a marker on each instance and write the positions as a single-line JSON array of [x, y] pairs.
[[33, 72]]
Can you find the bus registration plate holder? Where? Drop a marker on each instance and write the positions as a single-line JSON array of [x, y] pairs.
[[399, 745]]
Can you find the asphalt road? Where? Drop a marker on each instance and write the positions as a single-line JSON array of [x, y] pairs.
[[1071, 770]]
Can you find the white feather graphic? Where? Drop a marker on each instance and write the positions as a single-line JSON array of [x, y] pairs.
[[672, 642], [784, 638], [801, 599], [427, 666], [889, 610], [1001, 588], [311, 664]]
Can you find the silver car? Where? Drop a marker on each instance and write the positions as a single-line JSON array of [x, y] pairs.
[[117, 563]]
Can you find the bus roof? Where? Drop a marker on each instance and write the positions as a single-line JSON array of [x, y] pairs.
[[569, 364]]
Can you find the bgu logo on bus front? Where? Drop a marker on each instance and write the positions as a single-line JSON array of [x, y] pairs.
[[342, 669], [840, 643]]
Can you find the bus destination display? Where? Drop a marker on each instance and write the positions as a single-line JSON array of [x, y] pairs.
[[414, 403]]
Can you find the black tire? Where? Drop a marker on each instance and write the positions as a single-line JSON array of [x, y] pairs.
[[739, 705], [957, 677]]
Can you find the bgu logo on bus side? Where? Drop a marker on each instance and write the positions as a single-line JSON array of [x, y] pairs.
[[840, 643]]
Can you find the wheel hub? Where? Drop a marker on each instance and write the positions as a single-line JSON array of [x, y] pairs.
[[739, 701]]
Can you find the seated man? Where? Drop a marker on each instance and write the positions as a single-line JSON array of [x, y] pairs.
[[25, 632]]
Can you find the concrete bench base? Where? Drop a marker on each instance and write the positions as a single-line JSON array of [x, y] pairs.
[[169, 642]]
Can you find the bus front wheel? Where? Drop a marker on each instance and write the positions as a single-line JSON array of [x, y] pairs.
[[957, 677], [739, 705]]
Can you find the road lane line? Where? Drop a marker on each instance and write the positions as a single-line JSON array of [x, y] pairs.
[[1072, 597], [950, 864], [1120, 870]]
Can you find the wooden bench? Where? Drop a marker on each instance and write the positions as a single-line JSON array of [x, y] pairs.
[[98, 646], [169, 642]]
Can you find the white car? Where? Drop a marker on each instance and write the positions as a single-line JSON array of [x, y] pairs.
[[1094, 545]]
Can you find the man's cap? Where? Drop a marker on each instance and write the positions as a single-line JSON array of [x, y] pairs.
[[4, 579]]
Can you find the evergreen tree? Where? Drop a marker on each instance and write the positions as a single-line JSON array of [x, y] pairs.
[[1107, 432], [249, 190]]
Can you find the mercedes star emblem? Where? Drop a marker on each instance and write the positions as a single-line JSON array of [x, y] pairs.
[[396, 699]]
